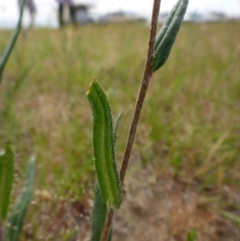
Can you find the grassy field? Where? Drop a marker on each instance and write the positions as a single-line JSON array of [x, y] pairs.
[[189, 130]]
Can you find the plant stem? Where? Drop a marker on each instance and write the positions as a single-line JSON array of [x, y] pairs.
[[148, 72], [143, 89], [107, 225]]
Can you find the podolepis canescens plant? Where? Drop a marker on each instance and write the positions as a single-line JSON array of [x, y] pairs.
[[108, 194]]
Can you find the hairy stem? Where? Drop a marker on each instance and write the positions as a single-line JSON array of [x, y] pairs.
[[143, 89], [148, 72]]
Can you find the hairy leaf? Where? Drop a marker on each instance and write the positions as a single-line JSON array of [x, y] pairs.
[[99, 215], [104, 147], [100, 208], [167, 35]]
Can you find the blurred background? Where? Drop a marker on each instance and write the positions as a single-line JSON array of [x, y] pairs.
[[102, 11]]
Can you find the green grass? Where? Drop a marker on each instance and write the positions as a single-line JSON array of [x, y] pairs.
[[189, 127]]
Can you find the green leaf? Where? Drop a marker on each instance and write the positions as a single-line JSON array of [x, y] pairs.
[[167, 35], [99, 215], [12, 42], [20, 208], [100, 208], [6, 180], [104, 147]]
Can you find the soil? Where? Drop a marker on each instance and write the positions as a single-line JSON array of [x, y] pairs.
[[165, 209]]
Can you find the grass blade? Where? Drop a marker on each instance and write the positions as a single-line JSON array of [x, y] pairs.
[[104, 147], [20, 209], [6, 180], [11, 44], [167, 35]]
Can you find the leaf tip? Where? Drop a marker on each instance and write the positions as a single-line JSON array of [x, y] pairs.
[[90, 85]]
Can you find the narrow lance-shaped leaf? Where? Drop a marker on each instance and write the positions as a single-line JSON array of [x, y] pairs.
[[20, 208], [6, 180], [12, 42], [99, 216], [103, 146], [100, 207], [167, 35]]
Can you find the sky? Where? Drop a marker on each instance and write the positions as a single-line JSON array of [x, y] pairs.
[[46, 9]]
